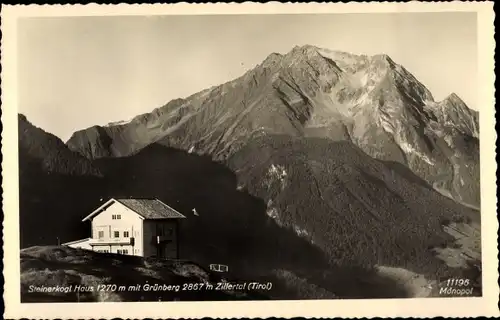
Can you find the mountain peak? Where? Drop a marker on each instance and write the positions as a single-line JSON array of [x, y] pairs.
[[48, 152], [385, 60], [308, 91], [305, 51], [310, 50], [455, 102], [305, 48], [453, 97], [22, 117], [272, 59], [383, 56]]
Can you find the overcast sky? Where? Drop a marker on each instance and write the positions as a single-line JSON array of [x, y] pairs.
[[78, 72]]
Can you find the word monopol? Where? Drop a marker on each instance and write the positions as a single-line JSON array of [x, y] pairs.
[[458, 287]]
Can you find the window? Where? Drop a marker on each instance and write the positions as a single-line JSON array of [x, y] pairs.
[[116, 216], [101, 234], [117, 234], [124, 251], [125, 234]]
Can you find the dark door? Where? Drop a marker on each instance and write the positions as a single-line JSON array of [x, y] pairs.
[[160, 250]]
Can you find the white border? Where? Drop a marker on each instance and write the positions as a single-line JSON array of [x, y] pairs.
[[430, 307]]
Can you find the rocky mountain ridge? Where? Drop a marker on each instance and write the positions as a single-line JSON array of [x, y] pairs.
[[313, 92]]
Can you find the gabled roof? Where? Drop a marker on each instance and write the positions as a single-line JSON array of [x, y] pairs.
[[151, 208], [145, 208]]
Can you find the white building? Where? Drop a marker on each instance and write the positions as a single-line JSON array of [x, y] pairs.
[[139, 227]]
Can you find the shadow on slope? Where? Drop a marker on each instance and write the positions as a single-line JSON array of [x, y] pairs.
[[51, 207], [232, 227], [56, 185]]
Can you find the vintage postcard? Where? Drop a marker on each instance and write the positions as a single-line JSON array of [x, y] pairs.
[[249, 160]]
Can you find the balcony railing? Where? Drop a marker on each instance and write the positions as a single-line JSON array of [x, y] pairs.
[[111, 241]]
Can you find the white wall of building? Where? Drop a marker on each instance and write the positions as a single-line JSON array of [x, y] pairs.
[[115, 220]]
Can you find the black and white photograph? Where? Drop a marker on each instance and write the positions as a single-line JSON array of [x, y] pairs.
[[249, 157]]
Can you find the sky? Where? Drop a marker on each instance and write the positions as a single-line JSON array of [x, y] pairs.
[[76, 72]]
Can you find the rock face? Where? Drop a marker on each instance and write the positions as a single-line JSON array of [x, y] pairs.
[[312, 92]]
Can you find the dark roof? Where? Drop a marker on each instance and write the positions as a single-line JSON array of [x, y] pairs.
[[151, 208]]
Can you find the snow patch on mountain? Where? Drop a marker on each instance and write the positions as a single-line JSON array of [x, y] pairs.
[[410, 150], [449, 140], [118, 123], [387, 125], [347, 62], [301, 232], [276, 173], [364, 99], [272, 212]]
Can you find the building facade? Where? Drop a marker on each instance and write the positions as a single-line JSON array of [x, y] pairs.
[[139, 227]]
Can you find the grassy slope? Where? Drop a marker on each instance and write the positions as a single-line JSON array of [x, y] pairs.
[[63, 266]]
